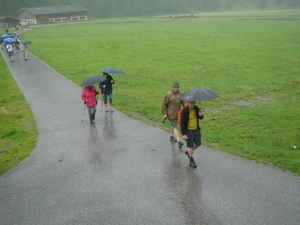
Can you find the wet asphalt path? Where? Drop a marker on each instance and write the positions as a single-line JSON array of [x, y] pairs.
[[121, 171]]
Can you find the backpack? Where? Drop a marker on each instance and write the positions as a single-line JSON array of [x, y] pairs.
[[179, 116], [9, 48]]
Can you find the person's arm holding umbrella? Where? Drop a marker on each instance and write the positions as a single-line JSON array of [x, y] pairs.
[[112, 81], [200, 114]]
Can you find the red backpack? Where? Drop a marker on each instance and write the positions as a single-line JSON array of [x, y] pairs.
[[179, 116]]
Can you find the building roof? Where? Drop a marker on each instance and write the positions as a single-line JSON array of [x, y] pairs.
[[7, 17], [54, 9]]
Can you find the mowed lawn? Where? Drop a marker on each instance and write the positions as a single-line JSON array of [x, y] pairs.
[[253, 64], [18, 132]]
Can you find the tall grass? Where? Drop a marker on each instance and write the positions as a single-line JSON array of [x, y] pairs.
[[254, 65]]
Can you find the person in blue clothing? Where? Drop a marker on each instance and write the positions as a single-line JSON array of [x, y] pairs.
[[190, 129], [107, 91]]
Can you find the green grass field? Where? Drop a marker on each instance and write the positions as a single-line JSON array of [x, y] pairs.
[[253, 64], [18, 132]]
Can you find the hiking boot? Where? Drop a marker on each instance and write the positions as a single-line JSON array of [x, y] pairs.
[[106, 110], [111, 109], [187, 153], [192, 163], [180, 144], [172, 138]]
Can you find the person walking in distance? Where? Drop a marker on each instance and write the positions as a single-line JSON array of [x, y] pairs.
[[170, 107], [24, 48], [10, 51], [107, 90], [190, 129], [89, 97]]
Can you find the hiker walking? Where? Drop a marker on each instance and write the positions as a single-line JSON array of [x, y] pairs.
[[170, 107], [17, 43], [107, 90], [190, 129], [10, 51], [89, 97]]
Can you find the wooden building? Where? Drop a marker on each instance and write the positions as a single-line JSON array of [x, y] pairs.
[[52, 14], [7, 22]]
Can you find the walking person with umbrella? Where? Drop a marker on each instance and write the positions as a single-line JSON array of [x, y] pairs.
[[89, 94], [89, 97], [10, 51], [190, 116], [24, 46], [107, 90], [170, 107], [190, 129], [106, 86]]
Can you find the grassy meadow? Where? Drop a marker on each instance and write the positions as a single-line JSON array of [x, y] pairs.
[[18, 132], [253, 64]]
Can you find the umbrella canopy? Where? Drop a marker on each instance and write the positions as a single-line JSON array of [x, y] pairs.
[[26, 42], [91, 80], [7, 36], [12, 34], [112, 71], [9, 40], [199, 94]]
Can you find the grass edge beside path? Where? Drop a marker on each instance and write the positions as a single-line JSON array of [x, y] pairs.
[[264, 130], [18, 130]]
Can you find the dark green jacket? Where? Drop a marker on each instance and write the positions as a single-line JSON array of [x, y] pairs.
[[171, 105]]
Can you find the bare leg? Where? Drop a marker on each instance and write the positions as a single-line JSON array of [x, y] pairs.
[[191, 150], [176, 134], [111, 108]]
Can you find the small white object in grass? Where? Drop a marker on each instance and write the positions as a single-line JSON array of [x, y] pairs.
[[295, 146]]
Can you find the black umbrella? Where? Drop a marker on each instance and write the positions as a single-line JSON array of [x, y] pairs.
[[199, 94], [91, 80], [26, 42]]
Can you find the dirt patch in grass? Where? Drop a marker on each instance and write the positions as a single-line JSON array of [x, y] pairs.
[[4, 110], [245, 104]]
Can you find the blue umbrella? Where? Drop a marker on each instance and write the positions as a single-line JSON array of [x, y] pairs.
[[9, 39], [7, 36], [112, 71]]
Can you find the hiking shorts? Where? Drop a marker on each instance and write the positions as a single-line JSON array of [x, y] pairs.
[[174, 123], [194, 138], [110, 98]]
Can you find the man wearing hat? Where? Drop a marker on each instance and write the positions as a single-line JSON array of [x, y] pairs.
[[170, 107]]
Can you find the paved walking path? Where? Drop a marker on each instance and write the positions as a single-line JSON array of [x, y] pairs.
[[121, 171]]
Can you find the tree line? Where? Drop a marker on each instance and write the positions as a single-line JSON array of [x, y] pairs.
[[127, 8]]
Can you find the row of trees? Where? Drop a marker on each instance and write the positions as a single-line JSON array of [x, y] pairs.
[[123, 8]]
